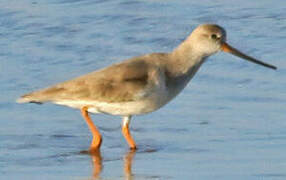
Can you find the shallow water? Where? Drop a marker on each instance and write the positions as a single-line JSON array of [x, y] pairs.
[[229, 123]]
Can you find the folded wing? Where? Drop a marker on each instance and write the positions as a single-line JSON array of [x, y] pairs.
[[127, 81]]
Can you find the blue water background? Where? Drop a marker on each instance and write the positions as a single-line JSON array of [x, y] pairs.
[[229, 123]]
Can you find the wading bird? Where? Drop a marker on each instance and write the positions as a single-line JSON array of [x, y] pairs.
[[138, 85]]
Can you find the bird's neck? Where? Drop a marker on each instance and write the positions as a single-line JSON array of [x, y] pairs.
[[185, 60], [181, 67]]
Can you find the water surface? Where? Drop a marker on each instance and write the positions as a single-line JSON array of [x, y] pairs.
[[229, 123]]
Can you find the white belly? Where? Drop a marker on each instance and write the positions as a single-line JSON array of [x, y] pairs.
[[153, 101], [120, 108]]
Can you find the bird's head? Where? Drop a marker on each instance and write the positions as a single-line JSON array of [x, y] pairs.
[[208, 39]]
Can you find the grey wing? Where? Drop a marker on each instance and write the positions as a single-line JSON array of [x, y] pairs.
[[122, 82]]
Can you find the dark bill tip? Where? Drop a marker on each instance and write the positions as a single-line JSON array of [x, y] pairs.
[[227, 48]]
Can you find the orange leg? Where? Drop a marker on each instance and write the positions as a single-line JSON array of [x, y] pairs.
[[126, 133], [96, 140]]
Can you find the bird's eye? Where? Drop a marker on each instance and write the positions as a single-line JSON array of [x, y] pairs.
[[214, 36]]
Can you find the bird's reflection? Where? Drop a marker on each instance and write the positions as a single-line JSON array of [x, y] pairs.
[[128, 159], [97, 164]]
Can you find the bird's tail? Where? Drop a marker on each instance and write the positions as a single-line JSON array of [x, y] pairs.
[[43, 95], [29, 98]]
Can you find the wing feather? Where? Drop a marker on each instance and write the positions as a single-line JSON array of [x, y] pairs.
[[122, 82]]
